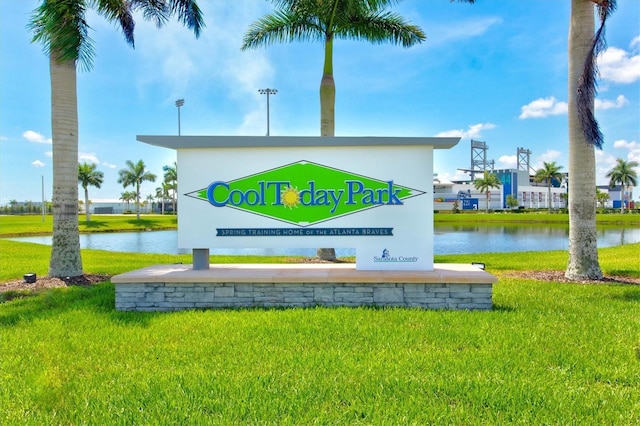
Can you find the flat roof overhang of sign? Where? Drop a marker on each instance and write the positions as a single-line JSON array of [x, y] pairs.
[[189, 142]]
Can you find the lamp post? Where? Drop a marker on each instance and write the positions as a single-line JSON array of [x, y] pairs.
[[179, 103], [268, 92]]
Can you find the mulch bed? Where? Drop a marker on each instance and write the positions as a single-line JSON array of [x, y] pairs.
[[558, 276], [48, 282]]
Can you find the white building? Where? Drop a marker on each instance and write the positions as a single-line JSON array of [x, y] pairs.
[[517, 183]]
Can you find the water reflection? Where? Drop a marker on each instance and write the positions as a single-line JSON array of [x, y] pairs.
[[454, 239], [457, 239]]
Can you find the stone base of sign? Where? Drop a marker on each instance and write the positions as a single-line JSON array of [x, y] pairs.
[[179, 287]]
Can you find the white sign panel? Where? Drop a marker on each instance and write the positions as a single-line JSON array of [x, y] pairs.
[[374, 197]]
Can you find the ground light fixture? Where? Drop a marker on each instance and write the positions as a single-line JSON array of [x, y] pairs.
[[30, 278]]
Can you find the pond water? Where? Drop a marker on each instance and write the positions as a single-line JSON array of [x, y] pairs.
[[447, 239]]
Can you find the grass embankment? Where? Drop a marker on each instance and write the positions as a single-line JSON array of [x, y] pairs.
[[507, 217], [11, 226], [548, 353]]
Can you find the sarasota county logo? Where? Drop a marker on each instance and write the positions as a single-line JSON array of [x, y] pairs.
[[386, 257], [304, 193]]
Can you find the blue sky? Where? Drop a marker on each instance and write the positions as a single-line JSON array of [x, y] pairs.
[[495, 72]]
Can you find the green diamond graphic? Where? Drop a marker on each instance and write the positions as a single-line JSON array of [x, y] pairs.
[[304, 193]]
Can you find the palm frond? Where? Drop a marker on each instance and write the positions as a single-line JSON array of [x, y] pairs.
[[316, 5], [587, 84], [120, 11], [380, 28], [282, 26], [63, 31], [189, 13]]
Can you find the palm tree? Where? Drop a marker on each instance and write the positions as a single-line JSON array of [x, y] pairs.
[[161, 194], [602, 198], [548, 173], [485, 183], [149, 201], [584, 136], [171, 178], [327, 20], [126, 197], [89, 176], [623, 174], [134, 175], [62, 28]]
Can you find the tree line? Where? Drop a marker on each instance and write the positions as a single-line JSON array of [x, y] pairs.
[[133, 175]]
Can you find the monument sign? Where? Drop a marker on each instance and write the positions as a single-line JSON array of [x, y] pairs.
[[373, 194]]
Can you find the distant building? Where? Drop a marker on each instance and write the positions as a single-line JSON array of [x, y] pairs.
[[615, 200], [517, 183]]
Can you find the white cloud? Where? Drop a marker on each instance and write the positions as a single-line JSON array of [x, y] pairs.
[[473, 131], [623, 144], [550, 155], [459, 175], [543, 107], [37, 163], [618, 66], [604, 163], [173, 58], [507, 162], [462, 30], [633, 147], [109, 165], [89, 157], [253, 123], [36, 137], [608, 104], [49, 154]]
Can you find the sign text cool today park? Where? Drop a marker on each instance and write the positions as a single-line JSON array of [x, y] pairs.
[[373, 194]]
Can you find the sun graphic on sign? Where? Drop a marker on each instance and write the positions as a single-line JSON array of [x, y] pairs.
[[290, 197]]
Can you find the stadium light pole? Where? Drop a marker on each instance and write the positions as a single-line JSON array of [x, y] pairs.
[[179, 103], [268, 92]]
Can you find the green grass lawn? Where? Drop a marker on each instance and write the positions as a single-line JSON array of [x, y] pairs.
[[548, 353], [34, 225]]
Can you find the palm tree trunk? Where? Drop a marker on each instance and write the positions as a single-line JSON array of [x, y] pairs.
[[138, 201], [622, 198], [65, 258], [583, 244], [175, 201], [327, 117], [327, 92], [549, 196], [87, 214]]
